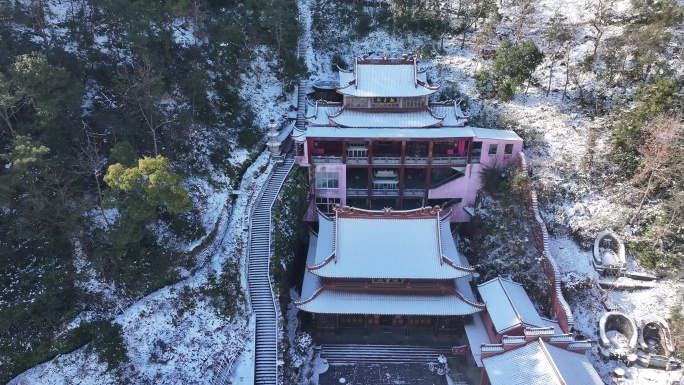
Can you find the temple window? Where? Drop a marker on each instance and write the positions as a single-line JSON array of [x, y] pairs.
[[327, 180], [356, 102], [413, 102], [326, 204]]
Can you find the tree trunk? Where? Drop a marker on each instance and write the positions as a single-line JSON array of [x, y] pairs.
[[567, 73], [99, 193], [548, 89], [643, 198]]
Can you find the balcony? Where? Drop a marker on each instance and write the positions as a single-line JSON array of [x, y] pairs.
[[416, 160], [355, 192], [357, 160], [414, 192], [327, 159], [449, 159], [385, 192], [387, 159]]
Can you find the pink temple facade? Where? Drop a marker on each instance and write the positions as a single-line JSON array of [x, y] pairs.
[[387, 145]]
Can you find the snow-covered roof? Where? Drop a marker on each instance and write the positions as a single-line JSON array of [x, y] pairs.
[[487, 133], [474, 327], [317, 113], [311, 283], [380, 133], [326, 234], [539, 363], [286, 132], [378, 244], [328, 301], [452, 113], [508, 305], [385, 78], [399, 118]]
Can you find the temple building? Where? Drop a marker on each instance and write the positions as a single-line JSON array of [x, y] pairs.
[[538, 360], [387, 145], [386, 268]]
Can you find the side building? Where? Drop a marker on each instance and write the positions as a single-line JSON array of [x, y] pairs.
[[387, 145]]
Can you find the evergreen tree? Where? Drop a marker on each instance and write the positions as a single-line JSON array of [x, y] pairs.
[[513, 66]]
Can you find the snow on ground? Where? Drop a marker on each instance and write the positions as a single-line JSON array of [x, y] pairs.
[[264, 92], [173, 335]]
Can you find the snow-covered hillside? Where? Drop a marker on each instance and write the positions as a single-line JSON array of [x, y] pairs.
[[174, 336]]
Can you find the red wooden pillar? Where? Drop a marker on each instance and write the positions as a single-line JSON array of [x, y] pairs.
[[427, 176]]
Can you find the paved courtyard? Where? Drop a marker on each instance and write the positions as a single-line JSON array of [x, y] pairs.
[[381, 374]]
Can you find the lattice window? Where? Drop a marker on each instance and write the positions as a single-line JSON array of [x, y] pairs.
[[326, 204], [327, 180]]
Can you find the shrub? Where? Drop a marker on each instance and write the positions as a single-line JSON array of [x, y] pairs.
[[512, 66]]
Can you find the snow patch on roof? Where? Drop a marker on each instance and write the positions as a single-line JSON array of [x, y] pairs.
[[349, 302], [543, 364], [377, 133], [385, 248], [508, 305], [487, 133], [384, 80], [401, 118]]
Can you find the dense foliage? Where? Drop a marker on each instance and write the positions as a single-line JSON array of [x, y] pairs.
[[148, 88], [512, 67]]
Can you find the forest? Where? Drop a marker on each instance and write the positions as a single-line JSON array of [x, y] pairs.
[[109, 109]]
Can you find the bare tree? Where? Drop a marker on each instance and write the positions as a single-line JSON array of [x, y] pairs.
[[559, 36], [661, 159], [470, 12], [92, 162], [141, 94], [602, 11], [522, 16]]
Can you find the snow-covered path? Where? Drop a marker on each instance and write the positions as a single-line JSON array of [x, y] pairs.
[[260, 290]]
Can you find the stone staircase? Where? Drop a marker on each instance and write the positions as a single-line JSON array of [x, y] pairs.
[[394, 354], [260, 291]]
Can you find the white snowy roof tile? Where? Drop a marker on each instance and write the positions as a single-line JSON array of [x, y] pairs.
[[362, 118], [508, 305], [575, 368], [449, 246], [318, 114], [311, 283], [387, 248], [325, 239], [347, 302], [383, 80], [477, 335], [487, 133], [505, 368], [541, 364], [379, 133], [453, 116], [474, 327]]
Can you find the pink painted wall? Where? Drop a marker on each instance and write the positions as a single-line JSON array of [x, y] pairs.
[[303, 160], [468, 186], [341, 191]]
